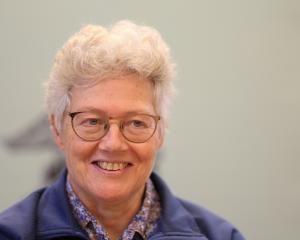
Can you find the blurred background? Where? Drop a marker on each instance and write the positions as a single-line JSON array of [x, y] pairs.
[[233, 142]]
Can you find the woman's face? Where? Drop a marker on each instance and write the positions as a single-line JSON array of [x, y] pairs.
[[116, 97]]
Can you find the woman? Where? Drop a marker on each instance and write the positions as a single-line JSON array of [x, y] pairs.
[[107, 97]]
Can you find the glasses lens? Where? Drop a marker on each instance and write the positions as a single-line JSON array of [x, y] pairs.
[[139, 128], [90, 126]]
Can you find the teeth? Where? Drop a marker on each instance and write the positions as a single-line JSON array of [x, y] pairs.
[[104, 165], [109, 166], [115, 166], [112, 166]]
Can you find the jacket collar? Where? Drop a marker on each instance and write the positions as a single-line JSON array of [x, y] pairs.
[[56, 217], [175, 218], [55, 213]]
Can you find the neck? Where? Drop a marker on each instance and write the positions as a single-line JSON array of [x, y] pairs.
[[114, 215], [115, 218]]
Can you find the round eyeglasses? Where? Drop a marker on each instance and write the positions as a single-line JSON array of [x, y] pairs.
[[136, 128]]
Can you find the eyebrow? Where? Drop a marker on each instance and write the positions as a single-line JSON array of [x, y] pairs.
[[96, 110], [90, 109]]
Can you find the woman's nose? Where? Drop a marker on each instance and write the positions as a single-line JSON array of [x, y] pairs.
[[113, 140]]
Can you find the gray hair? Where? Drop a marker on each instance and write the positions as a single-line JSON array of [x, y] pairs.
[[95, 52]]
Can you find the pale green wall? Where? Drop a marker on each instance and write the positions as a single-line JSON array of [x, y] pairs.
[[233, 143]]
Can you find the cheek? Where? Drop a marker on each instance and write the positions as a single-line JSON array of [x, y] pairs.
[[76, 149], [147, 152], [80, 151]]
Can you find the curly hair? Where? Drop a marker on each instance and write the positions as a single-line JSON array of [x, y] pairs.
[[96, 52]]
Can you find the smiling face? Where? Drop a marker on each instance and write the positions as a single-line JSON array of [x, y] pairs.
[[112, 169]]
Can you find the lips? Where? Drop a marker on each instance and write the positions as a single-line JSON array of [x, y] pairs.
[[111, 166]]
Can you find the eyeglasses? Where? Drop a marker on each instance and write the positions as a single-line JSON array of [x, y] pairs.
[[91, 126]]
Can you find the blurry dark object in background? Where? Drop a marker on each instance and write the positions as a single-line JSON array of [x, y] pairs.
[[37, 137]]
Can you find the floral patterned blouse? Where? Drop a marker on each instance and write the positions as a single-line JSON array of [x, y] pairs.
[[142, 223]]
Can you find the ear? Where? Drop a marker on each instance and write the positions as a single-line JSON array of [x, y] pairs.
[[56, 132], [161, 134]]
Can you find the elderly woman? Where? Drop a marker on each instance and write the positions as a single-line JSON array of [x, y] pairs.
[[107, 97]]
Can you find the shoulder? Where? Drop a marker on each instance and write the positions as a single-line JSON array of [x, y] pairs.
[[181, 216], [44, 214], [211, 224], [19, 221]]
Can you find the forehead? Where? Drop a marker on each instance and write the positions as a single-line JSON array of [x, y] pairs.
[[115, 96]]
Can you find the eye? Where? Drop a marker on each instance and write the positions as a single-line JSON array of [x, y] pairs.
[[134, 123], [92, 121], [87, 121]]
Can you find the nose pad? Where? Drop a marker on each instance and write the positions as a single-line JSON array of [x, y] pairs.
[[113, 140], [106, 126]]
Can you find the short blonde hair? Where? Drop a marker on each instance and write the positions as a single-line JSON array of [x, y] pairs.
[[96, 52]]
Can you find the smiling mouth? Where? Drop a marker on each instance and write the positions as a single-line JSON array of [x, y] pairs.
[[111, 166]]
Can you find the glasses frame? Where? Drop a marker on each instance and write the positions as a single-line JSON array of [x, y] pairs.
[[120, 125]]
